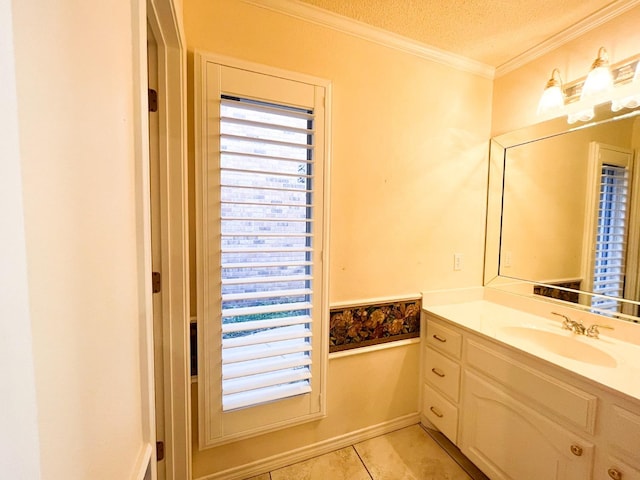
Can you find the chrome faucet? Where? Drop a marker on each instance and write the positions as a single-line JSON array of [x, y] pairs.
[[568, 324], [578, 327]]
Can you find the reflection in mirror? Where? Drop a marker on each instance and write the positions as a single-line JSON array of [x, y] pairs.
[[564, 214]]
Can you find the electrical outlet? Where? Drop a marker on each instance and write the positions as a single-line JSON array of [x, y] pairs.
[[457, 261], [507, 258]]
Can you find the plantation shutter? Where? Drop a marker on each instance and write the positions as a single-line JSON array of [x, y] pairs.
[[611, 236], [261, 230], [266, 181]]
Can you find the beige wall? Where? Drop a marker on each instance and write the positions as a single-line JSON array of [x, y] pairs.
[[516, 94], [75, 101], [408, 186], [362, 391], [409, 148]]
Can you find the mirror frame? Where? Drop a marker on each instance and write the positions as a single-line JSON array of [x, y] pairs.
[[498, 148]]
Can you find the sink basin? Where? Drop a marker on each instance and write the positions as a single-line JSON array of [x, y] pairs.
[[560, 343]]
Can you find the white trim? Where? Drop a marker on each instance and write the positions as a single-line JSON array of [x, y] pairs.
[[309, 451], [373, 348], [373, 34], [633, 240], [372, 301], [165, 22], [143, 243], [554, 281], [591, 22], [21, 455], [144, 459], [266, 70]]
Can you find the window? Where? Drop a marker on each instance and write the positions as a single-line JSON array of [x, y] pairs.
[[607, 224], [266, 183], [261, 233], [611, 233]]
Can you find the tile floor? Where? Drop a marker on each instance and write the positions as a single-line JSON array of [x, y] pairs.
[[406, 454]]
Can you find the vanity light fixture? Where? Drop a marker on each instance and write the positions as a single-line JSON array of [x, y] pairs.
[[552, 99], [619, 85], [631, 101], [583, 115], [599, 81]]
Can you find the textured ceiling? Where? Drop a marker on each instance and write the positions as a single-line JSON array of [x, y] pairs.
[[489, 31]]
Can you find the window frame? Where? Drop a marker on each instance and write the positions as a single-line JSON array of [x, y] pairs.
[[215, 76], [594, 174]]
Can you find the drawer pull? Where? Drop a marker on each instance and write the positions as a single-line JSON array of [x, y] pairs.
[[439, 338], [436, 412], [615, 473], [438, 372], [576, 450]]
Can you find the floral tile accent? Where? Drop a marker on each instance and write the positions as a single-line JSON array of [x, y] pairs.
[[559, 293], [366, 325]]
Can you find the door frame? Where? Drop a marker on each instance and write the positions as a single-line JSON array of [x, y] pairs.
[[165, 21]]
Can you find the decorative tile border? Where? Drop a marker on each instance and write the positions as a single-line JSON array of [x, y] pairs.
[[559, 293], [365, 325]]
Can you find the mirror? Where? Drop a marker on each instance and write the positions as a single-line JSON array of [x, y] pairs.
[[553, 229]]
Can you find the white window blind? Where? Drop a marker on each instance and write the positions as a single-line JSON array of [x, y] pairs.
[[266, 215], [261, 231], [611, 235]]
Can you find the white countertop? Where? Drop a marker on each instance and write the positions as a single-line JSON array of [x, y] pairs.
[[616, 363]]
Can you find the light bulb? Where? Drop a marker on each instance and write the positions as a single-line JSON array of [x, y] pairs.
[[599, 80], [552, 100]]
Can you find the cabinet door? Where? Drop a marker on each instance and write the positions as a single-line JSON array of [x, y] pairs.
[[508, 440]]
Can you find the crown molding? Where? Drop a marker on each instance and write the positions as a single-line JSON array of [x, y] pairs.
[[591, 22], [382, 37]]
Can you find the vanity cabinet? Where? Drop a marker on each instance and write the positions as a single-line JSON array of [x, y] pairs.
[[521, 418]]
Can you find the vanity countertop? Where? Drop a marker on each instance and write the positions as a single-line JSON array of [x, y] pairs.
[[612, 363]]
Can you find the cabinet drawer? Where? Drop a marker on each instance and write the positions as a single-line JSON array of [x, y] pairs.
[[625, 431], [442, 373], [443, 338], [442, 413]]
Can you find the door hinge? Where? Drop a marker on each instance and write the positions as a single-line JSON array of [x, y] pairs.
[[153, 100], [159, 451], [156, 282]]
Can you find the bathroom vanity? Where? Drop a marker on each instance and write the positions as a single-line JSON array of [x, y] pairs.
[[525, 399]]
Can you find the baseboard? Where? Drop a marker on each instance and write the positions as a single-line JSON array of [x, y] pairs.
[[309, 451]]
